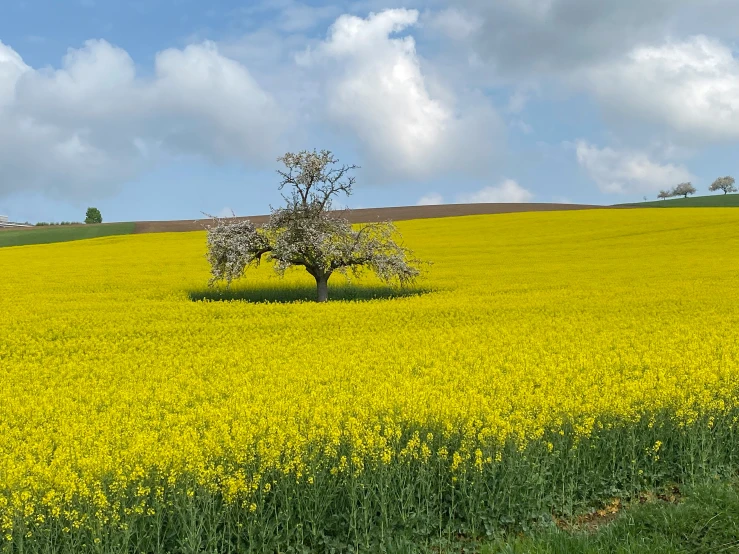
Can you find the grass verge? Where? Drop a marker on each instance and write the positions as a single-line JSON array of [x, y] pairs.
[[46, 235], [706, 520], [713, 201]]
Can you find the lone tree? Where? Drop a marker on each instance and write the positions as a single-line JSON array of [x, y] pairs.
[[683, 189], [308, 233], [664, 194], [93, 216], [725, 184]]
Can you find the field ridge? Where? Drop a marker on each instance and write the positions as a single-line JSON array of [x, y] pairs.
[[48, 234], [393, 213]]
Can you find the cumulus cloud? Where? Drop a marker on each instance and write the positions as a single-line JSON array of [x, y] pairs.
[[11, 68], [288, 15], [628, 172], [83, 129], [87, 126], [453, 23], [509, 191], [524, 37], [619, 51], [227, 114], [517, 101], [431, 199], [376, 91], [689, 86], [521, 126]]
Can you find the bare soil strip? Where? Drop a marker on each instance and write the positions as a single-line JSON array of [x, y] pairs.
[[368, 215]]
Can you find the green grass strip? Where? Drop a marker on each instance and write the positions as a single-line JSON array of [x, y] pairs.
[[706, 520], [713, 201], [46, 235]]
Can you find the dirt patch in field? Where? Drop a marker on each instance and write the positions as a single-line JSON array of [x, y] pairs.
[[596, 519], [367, 215]]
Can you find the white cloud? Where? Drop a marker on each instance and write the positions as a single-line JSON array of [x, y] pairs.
[[508, 191], [287, 15], [452, 23], [83, 129], [522, 126], [227, 114], [669, 150], [517, 101], [689, 86], [628, 172], [297, 16], [11, 69], [537, 37], [431, 199], [375, 90]]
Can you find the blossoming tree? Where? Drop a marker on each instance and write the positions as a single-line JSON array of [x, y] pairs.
[[308, 233], [725, 184], [684, 189]]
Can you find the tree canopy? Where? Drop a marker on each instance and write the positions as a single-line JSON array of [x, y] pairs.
[[684, 189], [725, 184], [308, 233], [93, 215]]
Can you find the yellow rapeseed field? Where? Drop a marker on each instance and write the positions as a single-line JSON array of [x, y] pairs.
[[121, 389]]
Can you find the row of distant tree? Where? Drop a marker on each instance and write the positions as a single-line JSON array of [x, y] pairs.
[[724, 184], [93, 215]]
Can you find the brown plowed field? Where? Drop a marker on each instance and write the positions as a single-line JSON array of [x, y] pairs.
[[366, 215]]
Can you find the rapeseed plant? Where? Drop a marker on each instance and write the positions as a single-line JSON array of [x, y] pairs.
[[548, 361]]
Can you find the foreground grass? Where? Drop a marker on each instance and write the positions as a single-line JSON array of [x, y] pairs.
[[59, 233], [705, 521], [713, 201]]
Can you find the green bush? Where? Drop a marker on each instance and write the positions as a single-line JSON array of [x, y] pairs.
[[93, 216]]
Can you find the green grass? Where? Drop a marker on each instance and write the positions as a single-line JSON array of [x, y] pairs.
[[713, 201], [706, 521], [58, 233]]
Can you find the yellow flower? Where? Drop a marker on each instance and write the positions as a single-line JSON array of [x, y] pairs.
[[124, 386]]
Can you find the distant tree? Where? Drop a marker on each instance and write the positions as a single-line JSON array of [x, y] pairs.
[[664, 194], [683, 189], [93, 216], [308, 233], [725, 184]]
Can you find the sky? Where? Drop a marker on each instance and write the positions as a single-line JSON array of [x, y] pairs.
[[168, 109]]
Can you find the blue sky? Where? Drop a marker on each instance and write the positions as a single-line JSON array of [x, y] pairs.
[[162, 109]]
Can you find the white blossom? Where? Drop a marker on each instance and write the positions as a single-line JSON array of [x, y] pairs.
[[308, 233], [725, 184]]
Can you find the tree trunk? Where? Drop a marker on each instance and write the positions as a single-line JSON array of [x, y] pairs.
[[322, 284]]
